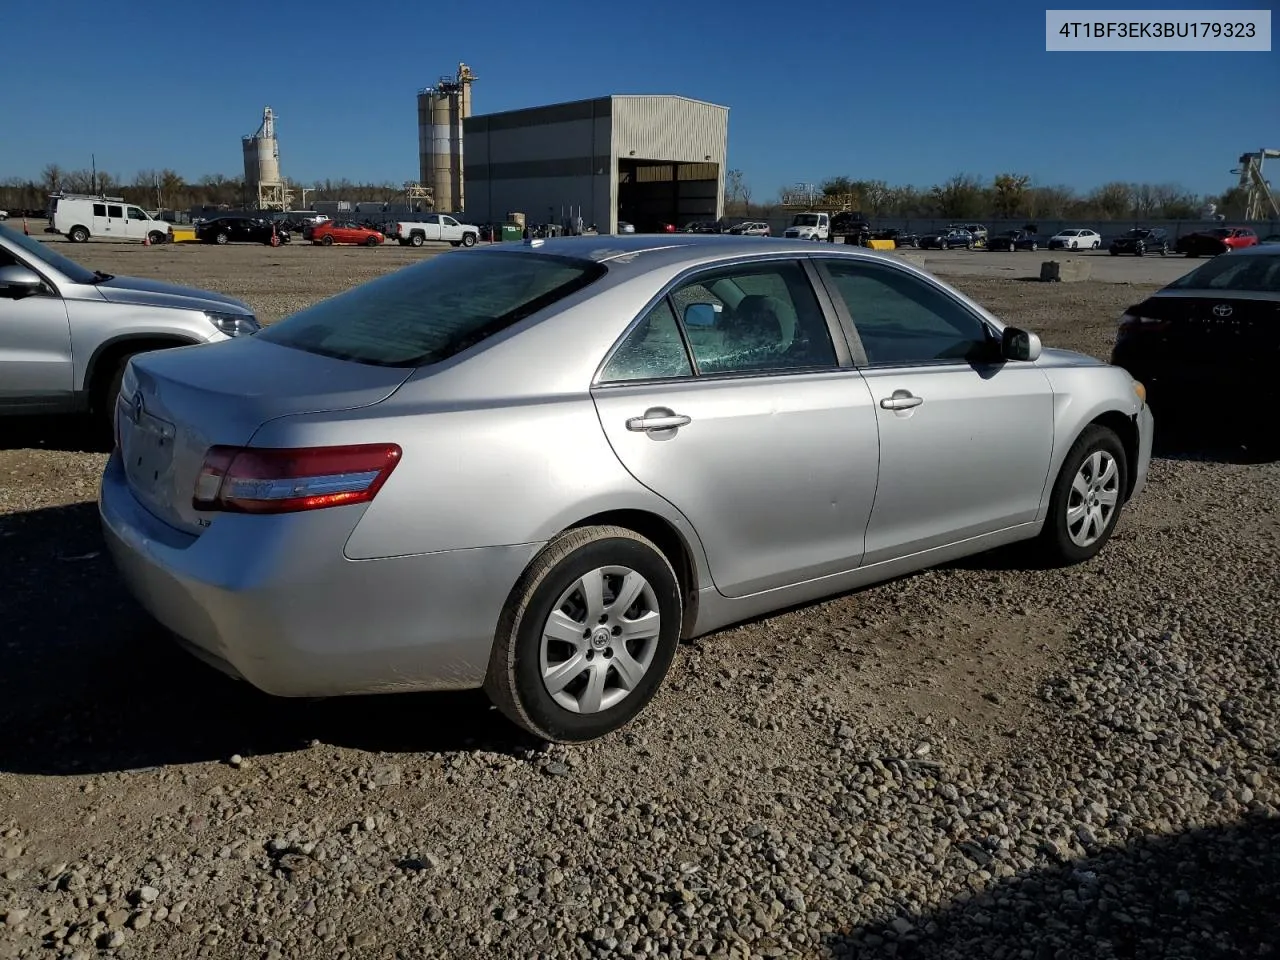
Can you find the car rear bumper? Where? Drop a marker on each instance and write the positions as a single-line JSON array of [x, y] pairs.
[[274, 601]]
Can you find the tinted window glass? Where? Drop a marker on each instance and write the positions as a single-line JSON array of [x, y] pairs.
[[903, 320], [755, 317], [652, 351], [1248, 273], [99, 209], [114, 211], [430, 311], [136, 214], [38, 252]]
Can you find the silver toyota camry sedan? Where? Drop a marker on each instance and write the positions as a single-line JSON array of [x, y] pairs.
[[535, 467]]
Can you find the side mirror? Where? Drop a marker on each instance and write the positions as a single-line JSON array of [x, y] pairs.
[[1021, 345], [701, 314], [19, 280]]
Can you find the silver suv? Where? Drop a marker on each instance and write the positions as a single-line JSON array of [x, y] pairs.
[[66, 332]]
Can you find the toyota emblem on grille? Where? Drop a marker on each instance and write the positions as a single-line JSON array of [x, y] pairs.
[[1222, 310], [135, 407]]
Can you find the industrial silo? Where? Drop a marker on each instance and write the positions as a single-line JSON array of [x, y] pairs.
[[262, 179], [441, 110]]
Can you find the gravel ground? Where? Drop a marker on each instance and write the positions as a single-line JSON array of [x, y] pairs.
[[986, 760]]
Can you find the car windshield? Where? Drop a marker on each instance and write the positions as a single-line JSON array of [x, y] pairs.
[[1219, 232], [1139, 234], [44, 253], [1070, 233], [427, 313], [1245, 274], [805, 220]]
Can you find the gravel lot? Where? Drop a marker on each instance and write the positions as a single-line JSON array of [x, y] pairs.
[[982, 761]]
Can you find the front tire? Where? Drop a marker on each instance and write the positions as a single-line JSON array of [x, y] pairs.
[[156, 237], [570, 663], [371, 241], [327, 240], [1087, 498], [221, 239], [78, 235]]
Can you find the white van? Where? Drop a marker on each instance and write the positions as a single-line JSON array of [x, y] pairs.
[[79, 217]]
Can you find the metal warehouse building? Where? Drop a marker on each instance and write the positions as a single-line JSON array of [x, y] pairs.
[[647, 160]]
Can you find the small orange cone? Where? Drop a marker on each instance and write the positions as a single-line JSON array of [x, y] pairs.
[[146, 240]]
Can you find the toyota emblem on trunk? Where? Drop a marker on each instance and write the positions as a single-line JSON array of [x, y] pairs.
[[1222, 310]]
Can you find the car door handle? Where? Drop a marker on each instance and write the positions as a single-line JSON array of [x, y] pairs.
[[901, 400], [658, 419]]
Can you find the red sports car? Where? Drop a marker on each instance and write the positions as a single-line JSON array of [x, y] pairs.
[[329, 233]]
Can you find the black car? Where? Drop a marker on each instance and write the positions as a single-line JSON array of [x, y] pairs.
[[1140, 241], [900, 238], [1211, 334], [1012, 240], [238, 229], [850, 223]]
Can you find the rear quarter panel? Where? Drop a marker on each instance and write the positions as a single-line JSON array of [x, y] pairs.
[[472, 475]]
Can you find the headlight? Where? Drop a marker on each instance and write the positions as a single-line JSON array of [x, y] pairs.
[[234, 324], [1140, 389]]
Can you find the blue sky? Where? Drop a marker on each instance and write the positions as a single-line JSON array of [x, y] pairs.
[[908, 92]]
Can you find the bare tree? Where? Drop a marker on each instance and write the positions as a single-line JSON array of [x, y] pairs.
[[1009, 194], [961, 196]]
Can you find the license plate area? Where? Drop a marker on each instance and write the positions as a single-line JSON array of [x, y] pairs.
[[146, 447]]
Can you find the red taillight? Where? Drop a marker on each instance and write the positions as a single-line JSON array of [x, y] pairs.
[[286, 480]]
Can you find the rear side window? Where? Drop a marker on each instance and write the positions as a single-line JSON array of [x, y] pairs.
[[427, 313]]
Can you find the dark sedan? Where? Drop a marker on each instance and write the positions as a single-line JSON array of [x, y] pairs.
[[948, 240], [1140, 241], [1212, 335], [1012, 240], [239, 230]]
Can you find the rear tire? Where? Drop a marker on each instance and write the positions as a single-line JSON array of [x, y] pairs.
[[221, 238], [327, 240], [1087, 498], [528, 645]]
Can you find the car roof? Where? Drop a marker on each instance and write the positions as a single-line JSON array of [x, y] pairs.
[[655, 251]]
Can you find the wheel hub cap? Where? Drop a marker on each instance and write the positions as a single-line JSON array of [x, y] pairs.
[[600, 639]]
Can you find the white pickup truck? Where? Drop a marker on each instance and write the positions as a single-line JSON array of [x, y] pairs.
[[434, 226], [809, 226]]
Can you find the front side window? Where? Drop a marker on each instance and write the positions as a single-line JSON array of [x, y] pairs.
[[136, 214], [902, 320], [433, 310]]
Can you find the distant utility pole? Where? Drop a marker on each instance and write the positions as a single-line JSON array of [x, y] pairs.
[[93, 164]]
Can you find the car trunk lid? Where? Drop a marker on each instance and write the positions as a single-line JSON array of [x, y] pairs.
[[1203, 327], [176, 403]]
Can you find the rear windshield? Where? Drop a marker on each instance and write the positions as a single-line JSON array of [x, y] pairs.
[[1250, 273], [428, 312]]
